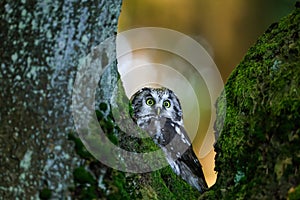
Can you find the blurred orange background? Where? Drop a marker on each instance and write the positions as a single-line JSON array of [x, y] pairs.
[[226, 29]]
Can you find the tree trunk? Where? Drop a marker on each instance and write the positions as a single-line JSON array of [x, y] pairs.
[[41, 44], [258, 151]]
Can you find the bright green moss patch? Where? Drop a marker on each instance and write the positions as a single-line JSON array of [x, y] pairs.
[[170, 186], [294, 193], [117, 185], [258, 149]]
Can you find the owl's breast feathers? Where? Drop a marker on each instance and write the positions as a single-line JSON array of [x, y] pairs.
[[175, 143]]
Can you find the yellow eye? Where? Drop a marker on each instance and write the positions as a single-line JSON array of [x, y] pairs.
[[167, 104], [150, 102]]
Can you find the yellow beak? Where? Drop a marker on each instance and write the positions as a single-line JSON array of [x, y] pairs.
[[158, 111]]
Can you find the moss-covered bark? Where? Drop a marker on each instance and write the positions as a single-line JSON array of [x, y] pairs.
[[258, 150], [158, 184], [258, 153]]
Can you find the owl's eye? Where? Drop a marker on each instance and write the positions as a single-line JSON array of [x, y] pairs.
[[150, 102], [167, 104]]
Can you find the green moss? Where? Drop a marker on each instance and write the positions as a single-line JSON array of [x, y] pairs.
[[258, 147], [258, 154], [130, 110], [45, 194], [118, 126], [294, 194], [168, 185], [118, 185], [161, 184], [82, 176], [103, 107], [86, 186], [88, 192], [79, 147], [148, 193], [99, 115]]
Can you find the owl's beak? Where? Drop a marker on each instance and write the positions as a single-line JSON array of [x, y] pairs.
[[158, 111]]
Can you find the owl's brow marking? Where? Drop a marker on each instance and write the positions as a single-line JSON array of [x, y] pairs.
[[145, 90], [148, 96]]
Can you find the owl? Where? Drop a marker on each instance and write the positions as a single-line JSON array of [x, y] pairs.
[[158, 112]]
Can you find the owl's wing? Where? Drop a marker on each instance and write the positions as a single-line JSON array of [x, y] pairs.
[[193, 169], [174, 141], [190, 166]]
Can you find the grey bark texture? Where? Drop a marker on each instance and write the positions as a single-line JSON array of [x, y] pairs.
[[41, 44]]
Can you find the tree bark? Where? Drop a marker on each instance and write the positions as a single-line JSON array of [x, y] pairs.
[[41, 44], [258, 148]]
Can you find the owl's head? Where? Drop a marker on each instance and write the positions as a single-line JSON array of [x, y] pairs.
[[156, 103]]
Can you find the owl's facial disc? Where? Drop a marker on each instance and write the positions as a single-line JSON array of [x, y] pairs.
[[157, 106], [156, 103]]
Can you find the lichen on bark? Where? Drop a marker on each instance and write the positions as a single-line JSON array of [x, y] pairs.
[[41, 43], [258, 151]]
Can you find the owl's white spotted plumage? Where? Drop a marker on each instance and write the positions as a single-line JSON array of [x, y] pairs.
[[158, 112]]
